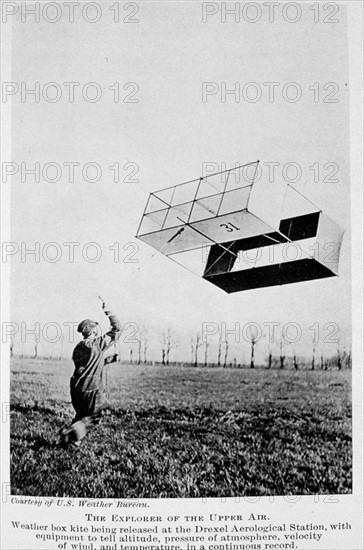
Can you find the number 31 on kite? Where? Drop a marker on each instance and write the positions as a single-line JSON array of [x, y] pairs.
[[239, 234]]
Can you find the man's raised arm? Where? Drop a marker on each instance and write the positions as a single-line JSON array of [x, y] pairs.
[[115, 328]]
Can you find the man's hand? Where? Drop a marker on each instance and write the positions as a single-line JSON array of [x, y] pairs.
[[102, 302], [112, 359], [103, 305]]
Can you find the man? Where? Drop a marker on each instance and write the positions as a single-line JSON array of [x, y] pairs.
[[88, 380]]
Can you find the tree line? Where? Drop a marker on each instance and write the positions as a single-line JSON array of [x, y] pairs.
[[203, 353]]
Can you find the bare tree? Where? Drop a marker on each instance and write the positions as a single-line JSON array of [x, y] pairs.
[[339, 362], [163, 350], [141, 339], [219, 352], [253, 342], [281, 356], [35, 349], [61, 348], [168, 342], [131, 355], [243, 358], [11, 346], [269, 359], [253, 338], [142, 344], [139, 349], [196, 343], [295, 364], [171, 342], [226, 342], [207, 345], [313, 355], [322, 361], [270, 354], [269, 343], [145, 347]]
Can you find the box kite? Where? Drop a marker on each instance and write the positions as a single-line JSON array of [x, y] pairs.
[[241, 234]]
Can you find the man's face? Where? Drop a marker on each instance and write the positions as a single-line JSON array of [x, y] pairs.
[[91, 335]]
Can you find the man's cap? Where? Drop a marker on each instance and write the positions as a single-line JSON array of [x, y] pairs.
[[86, 326]]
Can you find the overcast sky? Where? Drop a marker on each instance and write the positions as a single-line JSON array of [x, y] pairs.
[[168, 134]]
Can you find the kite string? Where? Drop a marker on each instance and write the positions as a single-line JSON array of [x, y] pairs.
[[148, 259], [308, 200]]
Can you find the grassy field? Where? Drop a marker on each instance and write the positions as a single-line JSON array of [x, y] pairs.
[[184, 432]]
